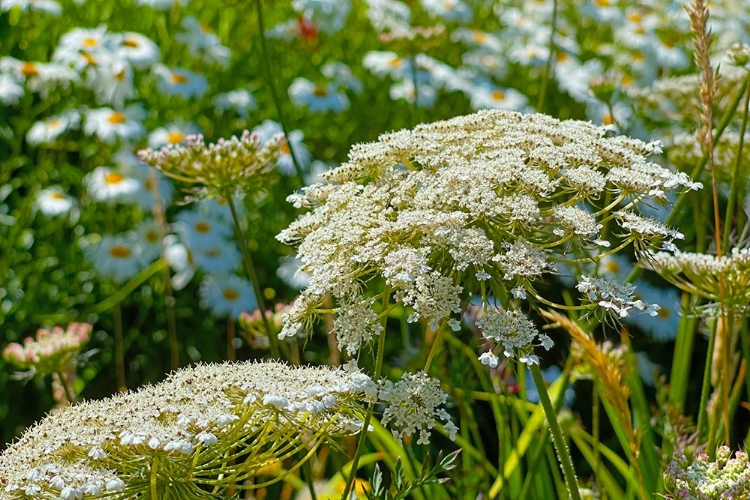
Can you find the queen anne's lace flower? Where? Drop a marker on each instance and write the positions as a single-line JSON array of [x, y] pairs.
[[515, 332], [269, 410], [480, 204], [414, 406], [703, 275]]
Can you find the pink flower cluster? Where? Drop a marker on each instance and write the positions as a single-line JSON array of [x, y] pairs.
[[51, 350]]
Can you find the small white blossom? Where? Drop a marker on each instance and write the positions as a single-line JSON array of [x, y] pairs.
[[413, 404]]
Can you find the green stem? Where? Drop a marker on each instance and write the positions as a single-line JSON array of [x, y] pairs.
[[69, 392], [251, 274], [557, 434], [703, 407], [174, 343], [548, 64], [119, 349], [371, 407], [272, 88], [736, 177]]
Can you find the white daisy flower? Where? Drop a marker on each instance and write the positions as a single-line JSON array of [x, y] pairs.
[[47, 131], [108, 185], [662, 326], [53, 201], [110, 125], [342, 76], [85, 48], [303, 92], [138, 49], [448, 10], [381, 64], [48, 6], [39, 77], [148, 235], [112, 82], [227, 295], [10, 91], [240, 101], [269, 129], [116, 256], [179, 81], [200, 230], [220, 258], [486, 95], [201, 41], [172, 134], [149, 178]]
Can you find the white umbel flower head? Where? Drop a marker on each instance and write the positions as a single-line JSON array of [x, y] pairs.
[[413, 404], [184, 423], [486, 204]]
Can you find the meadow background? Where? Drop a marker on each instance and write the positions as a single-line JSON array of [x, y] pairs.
[[90, 234]]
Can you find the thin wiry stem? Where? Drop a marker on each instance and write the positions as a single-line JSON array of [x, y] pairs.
[[119, 349], [548, 64], [272, 89], [252, 275]]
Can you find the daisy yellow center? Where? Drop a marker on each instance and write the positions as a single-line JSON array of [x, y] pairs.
[[58, 196], [611, 266], [54, 123], [175, 137], [561, 56], [448, 4], [130, 42], [285, 148], [479, 37], [320, 91], [640, 30], [664, 313], [90, 42], [638, 56], [152, 236], [205, 29], [498, 95], [120, 252], [178, 78], [395, 62], [149, 184], [114, 178], [117, 117], [214, 252], [230, 294], [635, 17], [607, 119], [120, 75], [29, 69], [203, 227], [603, 3], [626, 80]]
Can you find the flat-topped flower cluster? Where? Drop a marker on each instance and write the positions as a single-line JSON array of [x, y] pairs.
[[175, 439], [481, 204], [50, 351]]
